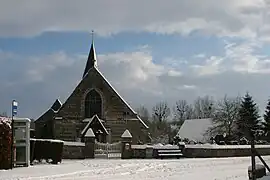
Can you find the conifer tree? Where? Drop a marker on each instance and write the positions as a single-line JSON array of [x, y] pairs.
[[248, 121], [266, 118]]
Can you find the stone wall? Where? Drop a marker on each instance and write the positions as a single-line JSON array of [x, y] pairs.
[[223, 151], [73, 150]]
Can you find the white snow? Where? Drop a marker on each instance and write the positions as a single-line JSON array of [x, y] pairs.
[[116, 169], [68, 143], [90, 133], [51, 140], [126, 134], [195, 129], [215, 146]]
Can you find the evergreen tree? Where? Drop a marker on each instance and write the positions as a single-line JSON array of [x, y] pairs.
[[266, 118], [248, 121]]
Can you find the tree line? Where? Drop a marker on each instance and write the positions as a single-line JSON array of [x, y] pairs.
[[235, 116]]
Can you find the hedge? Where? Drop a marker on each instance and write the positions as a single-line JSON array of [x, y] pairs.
[[46, 149], [5, 143]]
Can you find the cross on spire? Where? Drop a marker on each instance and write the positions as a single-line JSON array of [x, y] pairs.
[[92, 34], [92, 59]]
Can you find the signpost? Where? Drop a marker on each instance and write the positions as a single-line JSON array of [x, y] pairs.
[[13, 113]]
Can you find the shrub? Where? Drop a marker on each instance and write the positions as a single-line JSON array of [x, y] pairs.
[[46, 149], [5, 143]]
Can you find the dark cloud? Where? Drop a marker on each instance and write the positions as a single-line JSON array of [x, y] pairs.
[[226, 18]]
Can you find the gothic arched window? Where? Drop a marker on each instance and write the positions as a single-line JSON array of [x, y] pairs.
[[93, 104]]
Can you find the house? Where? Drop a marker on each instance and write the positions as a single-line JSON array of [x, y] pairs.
[[195, 129]]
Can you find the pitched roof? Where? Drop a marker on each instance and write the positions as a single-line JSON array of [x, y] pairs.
[[90, 67], [46, 115], [126, 134], [90, 133], [89, 123], [92, 59], [56, 105], [121, 98], [195, 129], [50, 112]]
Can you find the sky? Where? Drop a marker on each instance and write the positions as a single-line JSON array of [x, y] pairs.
[[150, 51]]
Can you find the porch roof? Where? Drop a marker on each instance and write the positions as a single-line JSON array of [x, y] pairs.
[[90, 120]]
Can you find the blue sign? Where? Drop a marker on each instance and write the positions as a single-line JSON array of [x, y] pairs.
[[14, 107]]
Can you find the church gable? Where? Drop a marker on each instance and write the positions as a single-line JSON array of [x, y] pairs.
[[95, 85], [95, 96]]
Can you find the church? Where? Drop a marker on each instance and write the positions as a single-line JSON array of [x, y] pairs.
[[95, 104]]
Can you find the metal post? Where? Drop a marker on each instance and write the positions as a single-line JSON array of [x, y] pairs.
[[12, 143], [253, 162], [13, 113]]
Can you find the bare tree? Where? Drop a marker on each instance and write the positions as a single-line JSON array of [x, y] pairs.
[[182, 111], [204, 107], [190, 112], [225, 116], [161, 112], [160, 127], [143, 113]]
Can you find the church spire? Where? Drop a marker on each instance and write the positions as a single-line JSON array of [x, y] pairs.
[[92, 58]]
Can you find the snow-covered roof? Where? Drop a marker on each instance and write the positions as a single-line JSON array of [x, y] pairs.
[[90, 133], [126, 134], [56, 105], [90, 121], [195, 129]]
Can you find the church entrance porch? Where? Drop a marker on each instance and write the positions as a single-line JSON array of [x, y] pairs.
[[98, 128]]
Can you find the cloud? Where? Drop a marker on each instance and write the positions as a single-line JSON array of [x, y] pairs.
[[36, 81], [212, 66], [247, 19], [241, 57], [245, 58]]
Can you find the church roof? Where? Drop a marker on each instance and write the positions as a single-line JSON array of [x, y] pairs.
[[121, 98], [92, 59], [89, 123], [48, 114], [91, 64], [56, 105]]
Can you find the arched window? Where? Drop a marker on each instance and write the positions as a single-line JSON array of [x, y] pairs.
[[93, 104]]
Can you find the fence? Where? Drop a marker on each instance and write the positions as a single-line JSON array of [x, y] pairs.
[[107, 150]]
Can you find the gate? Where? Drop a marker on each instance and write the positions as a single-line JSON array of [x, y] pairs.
[[106, 150]]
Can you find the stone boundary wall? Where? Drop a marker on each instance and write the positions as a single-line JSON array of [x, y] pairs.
[[215, 151], [77, 150], [73, 150]]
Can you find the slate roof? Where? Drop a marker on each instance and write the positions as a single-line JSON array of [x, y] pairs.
[[92, 59], [121, 98], [56, 105]]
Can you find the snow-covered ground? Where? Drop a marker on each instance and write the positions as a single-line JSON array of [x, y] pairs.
[[97, 169]]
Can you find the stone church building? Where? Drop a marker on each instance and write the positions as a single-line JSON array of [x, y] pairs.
[[95, 104]]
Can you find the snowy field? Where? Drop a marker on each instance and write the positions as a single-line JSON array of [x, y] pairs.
[[96, 169]]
